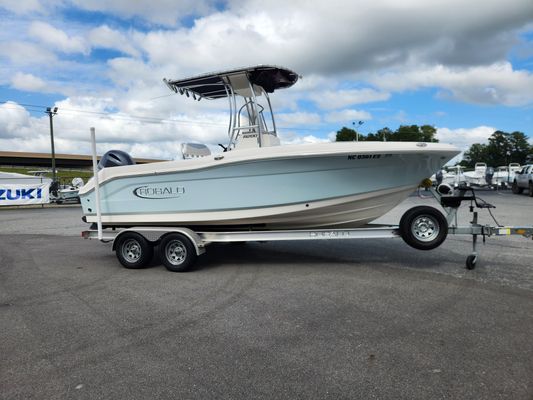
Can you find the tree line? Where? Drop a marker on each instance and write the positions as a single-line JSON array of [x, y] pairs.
[[405, 133], [502, 148]]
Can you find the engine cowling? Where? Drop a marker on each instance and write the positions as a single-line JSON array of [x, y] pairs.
[[115, 158]]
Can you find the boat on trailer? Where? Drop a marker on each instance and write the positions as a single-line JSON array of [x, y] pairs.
[[257, 190], [256, 183]]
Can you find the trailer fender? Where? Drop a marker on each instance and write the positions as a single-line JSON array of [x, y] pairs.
[[155, 234]]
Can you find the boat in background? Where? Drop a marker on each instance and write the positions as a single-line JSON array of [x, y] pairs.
[[452, 176], [504, 175], [69, 193], [60, 193], [255, 183], [480, 176]]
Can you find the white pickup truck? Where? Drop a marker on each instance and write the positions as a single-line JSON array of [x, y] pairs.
[[524, 180]]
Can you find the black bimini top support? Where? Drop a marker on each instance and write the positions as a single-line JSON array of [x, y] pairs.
[[213, 86]]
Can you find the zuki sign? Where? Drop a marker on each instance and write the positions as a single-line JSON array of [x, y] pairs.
[[20, 194]]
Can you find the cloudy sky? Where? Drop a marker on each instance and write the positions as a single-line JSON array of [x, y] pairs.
[[465, 67]]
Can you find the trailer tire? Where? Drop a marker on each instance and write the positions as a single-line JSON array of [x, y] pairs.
[[423, 227], [177, 252], [530, 189], [471, 261], [133, 250]]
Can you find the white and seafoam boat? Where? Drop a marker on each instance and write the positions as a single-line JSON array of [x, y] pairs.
[[256, 183]]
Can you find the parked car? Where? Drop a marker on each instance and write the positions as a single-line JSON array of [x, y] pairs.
[[524, 180]]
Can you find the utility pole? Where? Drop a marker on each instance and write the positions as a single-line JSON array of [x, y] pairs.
[[51, 112]]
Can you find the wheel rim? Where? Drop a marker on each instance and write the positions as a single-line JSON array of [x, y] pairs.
[[131, 250], [175, 252], [425, 228]]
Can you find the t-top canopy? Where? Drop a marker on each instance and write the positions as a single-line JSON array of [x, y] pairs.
[[221, 84]]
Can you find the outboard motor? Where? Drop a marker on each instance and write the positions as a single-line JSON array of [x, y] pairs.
[[439, 176], [115, 158], [54, 188], [489, 174]]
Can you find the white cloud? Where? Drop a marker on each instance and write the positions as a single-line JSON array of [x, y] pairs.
[[338, 37], [347, 115], [28, 82], [297, 118], [24, 53], [57, 39], [330, 99], [493, 84], [105, 37], [465, 137], [14, 119], [21, 6], [296, 138], [166, 12]]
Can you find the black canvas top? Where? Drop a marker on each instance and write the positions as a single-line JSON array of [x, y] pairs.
[[213, 85]]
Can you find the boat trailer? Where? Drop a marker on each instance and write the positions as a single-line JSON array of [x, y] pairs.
[[421, 227]]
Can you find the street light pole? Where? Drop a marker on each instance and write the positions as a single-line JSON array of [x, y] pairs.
[[356, 132], [51, 112]]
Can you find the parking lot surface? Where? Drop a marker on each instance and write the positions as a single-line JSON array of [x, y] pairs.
[[312, 320]]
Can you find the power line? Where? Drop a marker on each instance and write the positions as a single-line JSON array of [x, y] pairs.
[[138, 118]]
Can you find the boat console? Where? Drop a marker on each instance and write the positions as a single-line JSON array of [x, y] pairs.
[[248, 127]]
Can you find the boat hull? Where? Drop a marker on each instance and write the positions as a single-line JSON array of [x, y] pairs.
[[275, 190]]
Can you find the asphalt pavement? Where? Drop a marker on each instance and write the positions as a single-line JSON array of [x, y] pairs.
[[362, 319]]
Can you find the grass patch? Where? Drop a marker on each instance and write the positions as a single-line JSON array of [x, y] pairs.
[[65, 176]]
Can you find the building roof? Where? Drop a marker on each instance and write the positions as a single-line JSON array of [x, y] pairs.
[[16, 158]]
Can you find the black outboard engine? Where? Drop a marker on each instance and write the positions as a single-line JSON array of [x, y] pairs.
[[115, 158], [439, 176], [54, 188], [489, 174]]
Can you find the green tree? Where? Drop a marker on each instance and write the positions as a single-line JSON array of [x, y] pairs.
[[476, 153], [346, 135], [415, 133], [428, 133], [382, 135], [502, 148], [372, 137], [499, 149], [520, 147]]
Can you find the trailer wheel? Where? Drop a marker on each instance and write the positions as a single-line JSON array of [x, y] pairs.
[[133, 250], [423, 227], [471, 262], [530, 189], [516, 189], [177, 252]]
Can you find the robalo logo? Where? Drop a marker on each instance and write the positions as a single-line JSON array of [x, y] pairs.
[[159, 192]]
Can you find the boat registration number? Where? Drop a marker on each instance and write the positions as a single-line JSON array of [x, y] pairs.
[[367, 156]]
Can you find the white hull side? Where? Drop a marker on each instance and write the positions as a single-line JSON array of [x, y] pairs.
[[336, 184], [350, 211]]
